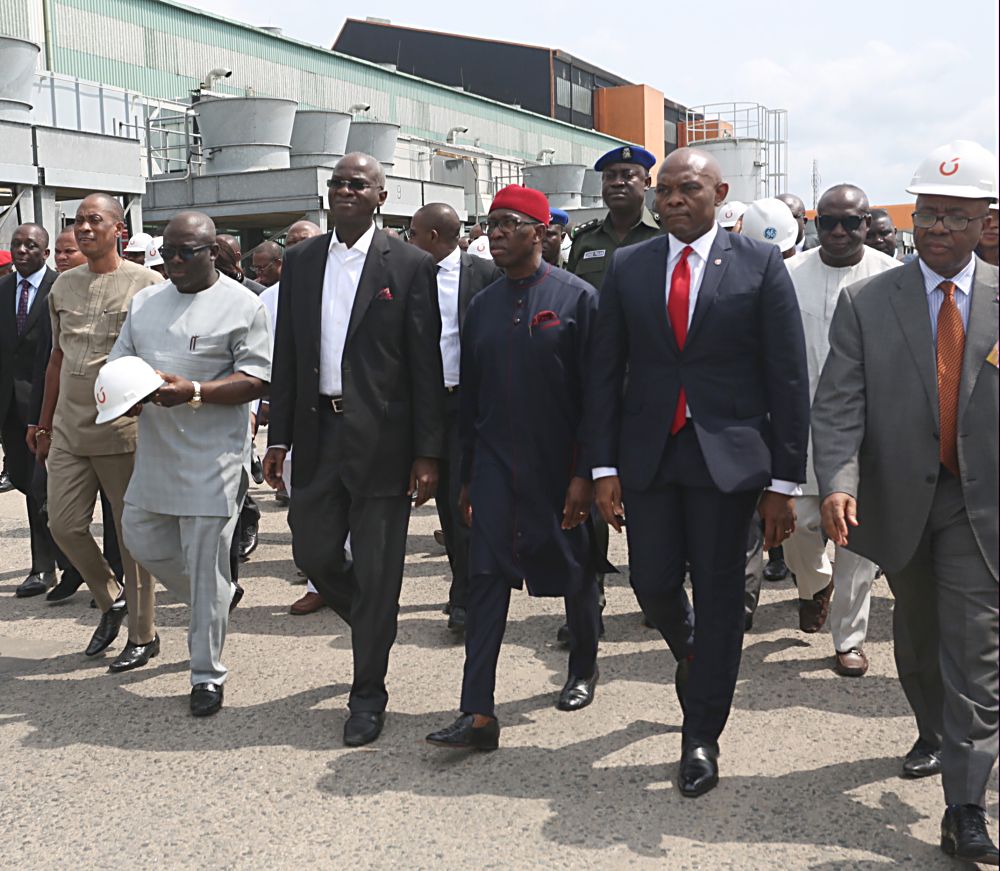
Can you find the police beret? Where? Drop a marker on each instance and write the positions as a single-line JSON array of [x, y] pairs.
[[559, 216], [626, 154]]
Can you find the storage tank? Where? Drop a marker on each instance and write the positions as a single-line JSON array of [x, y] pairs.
[[18, 61], [592, 189], [742, 164], [319, 138], [240, 134], [562, 183], [377, 138]]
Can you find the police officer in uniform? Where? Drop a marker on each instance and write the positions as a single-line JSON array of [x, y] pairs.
[[555, 235], [624, 182]]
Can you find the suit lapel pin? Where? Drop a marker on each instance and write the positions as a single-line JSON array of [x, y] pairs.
[[718, 261]]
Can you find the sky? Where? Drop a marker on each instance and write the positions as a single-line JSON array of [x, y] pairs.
[[870, 88]]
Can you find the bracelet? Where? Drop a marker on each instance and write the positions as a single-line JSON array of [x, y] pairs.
[[42, 431]]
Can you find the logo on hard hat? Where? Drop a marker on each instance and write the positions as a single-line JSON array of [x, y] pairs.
[[728, 213], [100, 396], [770, 233], [954, 166]]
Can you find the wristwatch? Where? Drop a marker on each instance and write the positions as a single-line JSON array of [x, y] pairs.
[[195, 401]]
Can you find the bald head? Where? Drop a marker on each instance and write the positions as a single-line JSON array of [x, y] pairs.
[[29, 248], [689, 188], [99, 223], [106, 203], [842, 222], [300, 231], [357, 189], [233, 243], [435, 228], [266, 262], [189, 251], [798, 209], [842, 196], [358, 160], [195, 225]]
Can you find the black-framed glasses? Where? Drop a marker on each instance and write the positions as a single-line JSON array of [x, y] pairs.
[[827, 223], [185, 252], [956, 223], [355, 184], [507, 224]]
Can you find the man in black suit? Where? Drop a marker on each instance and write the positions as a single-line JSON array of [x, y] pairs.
[[24, 315], [715, 410], [356, 390], [435, 228]]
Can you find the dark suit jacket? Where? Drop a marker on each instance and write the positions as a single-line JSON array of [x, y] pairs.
[[474, 274], [393, 401], [743, 367], [875, 416], [18, 354]]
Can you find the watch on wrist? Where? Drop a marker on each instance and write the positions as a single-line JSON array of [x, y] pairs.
[[195, 401]]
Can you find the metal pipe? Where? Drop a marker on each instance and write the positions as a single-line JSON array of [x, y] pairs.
[[49, 41]]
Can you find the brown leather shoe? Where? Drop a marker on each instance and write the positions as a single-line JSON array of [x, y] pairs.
[[851, 663], [812, 612], [308, 604]]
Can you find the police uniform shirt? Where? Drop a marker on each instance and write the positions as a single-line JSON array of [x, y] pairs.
[[87, 310], [189, 461], [592, 248]]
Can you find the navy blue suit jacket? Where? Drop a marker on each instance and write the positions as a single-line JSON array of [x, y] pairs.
[[743, 367]]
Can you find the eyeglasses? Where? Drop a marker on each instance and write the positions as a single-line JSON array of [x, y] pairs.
[[355, 184], [507, 224], [185, 252], [956, 223], [827, 223]]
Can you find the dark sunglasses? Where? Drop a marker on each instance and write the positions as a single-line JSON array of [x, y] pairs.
[[355, 184], [956, 223], [507, 224], [849, 222], [185, 252]]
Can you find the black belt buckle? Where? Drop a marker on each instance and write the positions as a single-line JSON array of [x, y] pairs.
[[337, 404]]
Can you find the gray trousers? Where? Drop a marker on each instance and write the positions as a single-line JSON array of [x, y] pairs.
[[946, 634], [190, 557]]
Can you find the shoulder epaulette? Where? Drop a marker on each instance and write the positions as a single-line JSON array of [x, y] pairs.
[[586, 227]]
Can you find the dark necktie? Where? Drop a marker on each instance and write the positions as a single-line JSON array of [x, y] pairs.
[[22, 306], [950, 350], [677, 309]]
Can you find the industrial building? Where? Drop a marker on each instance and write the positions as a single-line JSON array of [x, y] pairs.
[[171, 108]]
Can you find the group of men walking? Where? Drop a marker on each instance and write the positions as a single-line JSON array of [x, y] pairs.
[[662, 383]]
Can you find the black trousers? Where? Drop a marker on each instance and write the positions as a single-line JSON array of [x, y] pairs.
[[21, 468], [486, 622], [321, 512], [754, 566], [456, 533], [683, 519]]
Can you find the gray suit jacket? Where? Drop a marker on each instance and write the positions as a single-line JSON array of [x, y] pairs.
[[875, 415]]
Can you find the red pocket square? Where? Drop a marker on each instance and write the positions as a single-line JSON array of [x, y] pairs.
[[545, 319], [384, 293]]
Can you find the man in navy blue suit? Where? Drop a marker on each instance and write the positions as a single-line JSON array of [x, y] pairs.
[[711, 422]]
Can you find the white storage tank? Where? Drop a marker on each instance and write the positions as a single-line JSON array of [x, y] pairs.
[[240, 134], [319, 137], [377, 138], [18, 62]]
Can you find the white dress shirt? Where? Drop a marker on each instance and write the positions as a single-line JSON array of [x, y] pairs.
[[697, 261], [935, 296], [35, 281], [449, 270], [340, 285]]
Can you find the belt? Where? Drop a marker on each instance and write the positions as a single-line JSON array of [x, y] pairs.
[[336, 403], [450, 390]]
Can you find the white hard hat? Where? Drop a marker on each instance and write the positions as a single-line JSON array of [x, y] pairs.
[[153, 257], [138, 243], [730, 213], [121, 384], [958, 169], [770, 220]]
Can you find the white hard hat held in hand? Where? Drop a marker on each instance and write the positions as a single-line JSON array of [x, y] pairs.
[[959, 169], [121, 384], [770, 220]]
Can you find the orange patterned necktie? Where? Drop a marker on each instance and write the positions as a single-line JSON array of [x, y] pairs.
[[950, 350]]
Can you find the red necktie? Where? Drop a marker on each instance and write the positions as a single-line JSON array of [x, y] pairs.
[[950, 350], [677, 309], [22, 306]]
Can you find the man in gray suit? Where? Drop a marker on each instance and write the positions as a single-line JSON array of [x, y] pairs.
[[906, 440]]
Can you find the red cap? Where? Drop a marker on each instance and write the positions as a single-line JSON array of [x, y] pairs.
[[5, 258], [527, 201]]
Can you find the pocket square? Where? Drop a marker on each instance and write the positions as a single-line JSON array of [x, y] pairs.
[[384, 293], [545, 319]]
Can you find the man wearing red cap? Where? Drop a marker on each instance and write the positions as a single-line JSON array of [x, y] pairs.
[[526, 486]]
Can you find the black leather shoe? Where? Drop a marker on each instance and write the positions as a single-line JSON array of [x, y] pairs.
[[747, 621], [363, 727], [923, 760], [462, 735], [35, 584], [206, 699], [248, 541], [6, 485], [965, 836], [456, 619], [776, 569], [237, 596], [68, 584], [136, 655], [699, 770], [564, 638], [578, 692], [281, 497], [681, 681], [107, 630]]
